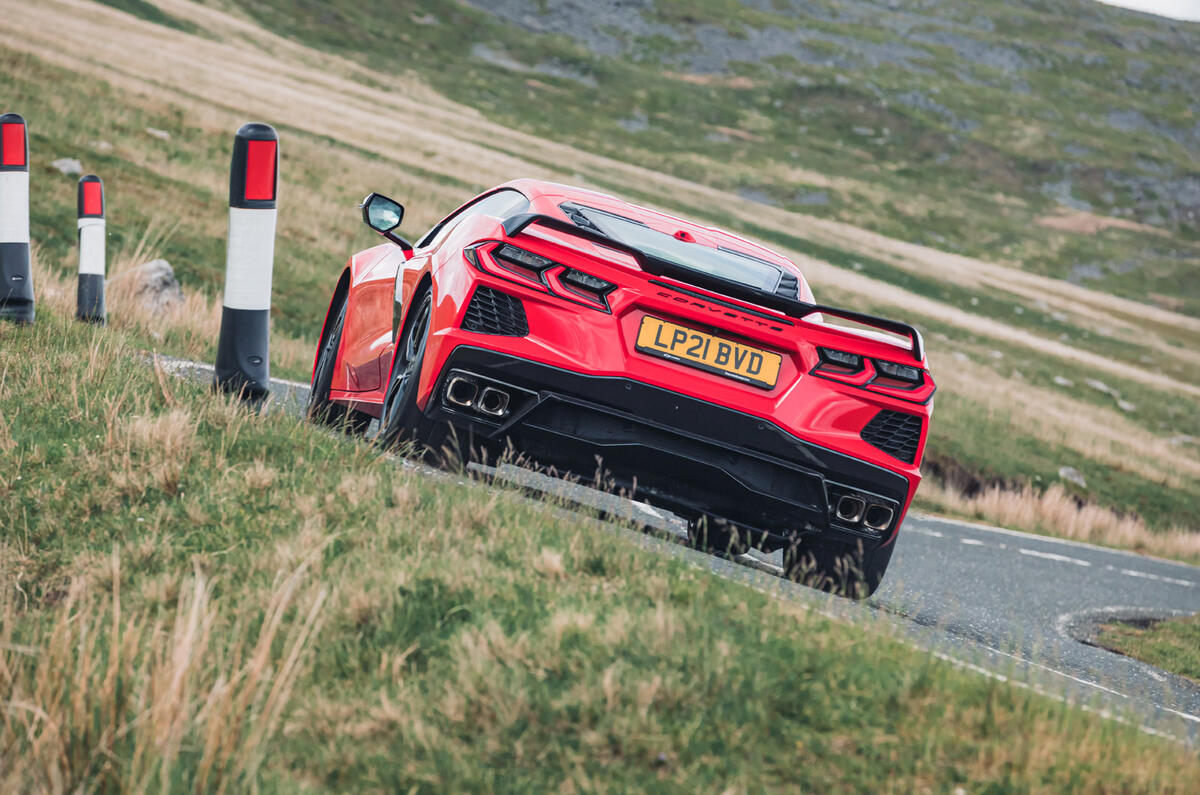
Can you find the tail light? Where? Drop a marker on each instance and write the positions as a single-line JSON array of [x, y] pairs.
[[541, 273], [877, 375]]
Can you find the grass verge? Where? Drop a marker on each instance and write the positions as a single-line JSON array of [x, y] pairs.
[[198, 597], [1172, 645]]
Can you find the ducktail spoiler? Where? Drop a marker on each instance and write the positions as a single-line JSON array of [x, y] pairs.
[[657, 266]]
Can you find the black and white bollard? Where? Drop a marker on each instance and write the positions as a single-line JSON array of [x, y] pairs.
[[243, 362], [16, 280], [90, 305]]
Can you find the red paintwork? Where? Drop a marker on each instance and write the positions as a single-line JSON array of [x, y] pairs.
[[830, 412]]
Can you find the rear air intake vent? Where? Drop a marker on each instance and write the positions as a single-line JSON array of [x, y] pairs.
[[895, 433], [494, 312], [789, 286]]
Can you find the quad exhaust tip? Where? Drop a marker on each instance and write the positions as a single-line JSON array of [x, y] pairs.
[[478, 395], [461, 391], [850, 508], [878, 517], [493, 401]]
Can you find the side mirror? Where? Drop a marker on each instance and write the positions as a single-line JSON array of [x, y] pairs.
[[384, 216]]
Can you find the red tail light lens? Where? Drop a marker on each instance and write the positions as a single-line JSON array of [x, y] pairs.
[[839, 361], [541, 273]]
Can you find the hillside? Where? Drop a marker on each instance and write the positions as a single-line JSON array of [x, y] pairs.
[[1035, 373], [1060, 137]]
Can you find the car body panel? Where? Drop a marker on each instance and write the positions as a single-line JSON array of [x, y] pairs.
[[826, 410]]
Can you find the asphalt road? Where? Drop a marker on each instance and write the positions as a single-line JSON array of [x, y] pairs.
[[1008, 605]]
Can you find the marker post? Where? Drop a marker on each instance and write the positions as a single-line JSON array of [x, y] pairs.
[[16, 280], [90, 305], [243, 361]]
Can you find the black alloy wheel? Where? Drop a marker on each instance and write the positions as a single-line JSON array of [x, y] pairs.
[[402, 420]]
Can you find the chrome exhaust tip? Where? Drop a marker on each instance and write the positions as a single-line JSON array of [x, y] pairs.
[[878, 517], [461, 391], [493, 401], [850, 509]]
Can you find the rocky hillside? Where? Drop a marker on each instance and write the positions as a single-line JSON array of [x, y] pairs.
[[1062, 136]]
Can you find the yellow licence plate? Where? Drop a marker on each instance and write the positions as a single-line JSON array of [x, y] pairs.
[[706, 352]]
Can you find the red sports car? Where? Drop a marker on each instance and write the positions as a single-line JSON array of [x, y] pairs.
[[685, 366]]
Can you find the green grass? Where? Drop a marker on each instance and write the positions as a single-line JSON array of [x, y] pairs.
[[151, 13], [207, 597], [1172, 645]]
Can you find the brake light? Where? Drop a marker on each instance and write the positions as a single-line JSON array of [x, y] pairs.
[[526, 262], [541, 273], [840, 361], [876, 375], [908, 377]]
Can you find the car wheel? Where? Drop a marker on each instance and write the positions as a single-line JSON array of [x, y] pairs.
[[320, 408], [843, 569], [402, 419], [716, 536]]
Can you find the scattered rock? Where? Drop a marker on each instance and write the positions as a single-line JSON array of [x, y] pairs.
[[1126, 406], [996, 354], [974, 301], [1061, 381], [1099, 386], [103, 147], [816, 197], [157, 133], [1072, 475], [153, 285], [639, 122], [68, 166], [962, 357]]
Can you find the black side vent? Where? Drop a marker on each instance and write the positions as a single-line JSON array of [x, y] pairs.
[[789, 286], [895, 433], [494, 312]]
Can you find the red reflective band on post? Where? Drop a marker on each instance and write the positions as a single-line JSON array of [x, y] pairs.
[[13, 145], [93, 199], [260, 171]]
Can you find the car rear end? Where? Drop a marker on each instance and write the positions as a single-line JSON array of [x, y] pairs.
[[698, 396]]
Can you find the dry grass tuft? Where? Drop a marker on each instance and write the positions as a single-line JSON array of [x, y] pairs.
[[100, 701], [549, 564], [157, 449], [1056, 512]]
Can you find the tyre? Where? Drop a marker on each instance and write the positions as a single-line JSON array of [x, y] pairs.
[[320, 408], [716, 536], [846, 570], [402, 420]]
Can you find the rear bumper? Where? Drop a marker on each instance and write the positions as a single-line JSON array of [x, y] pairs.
[[671, 450]]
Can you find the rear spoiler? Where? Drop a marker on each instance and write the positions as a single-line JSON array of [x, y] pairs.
[[660, 267]]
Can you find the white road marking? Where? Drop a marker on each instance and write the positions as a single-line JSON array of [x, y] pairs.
[[1051, 556], [1157, 578], [1053, 671], [928, 517], [1103, 713], [971, 542], [925, 532]]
